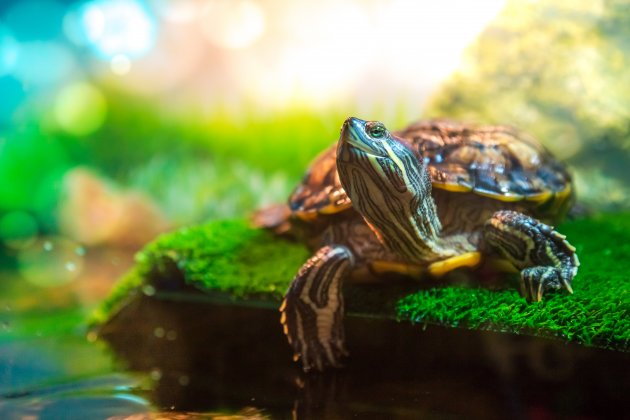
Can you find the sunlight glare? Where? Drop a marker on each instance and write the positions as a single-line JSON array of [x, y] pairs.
[[427, 39], [329, 51], [115, 27], [179, 56], [232, 24], [328, 48], [177, 11], [120, 64]]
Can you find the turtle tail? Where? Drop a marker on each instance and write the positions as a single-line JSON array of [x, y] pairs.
[[274, 218]]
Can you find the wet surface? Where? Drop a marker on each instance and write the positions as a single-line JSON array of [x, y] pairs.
[[174, 358], [202, 358]]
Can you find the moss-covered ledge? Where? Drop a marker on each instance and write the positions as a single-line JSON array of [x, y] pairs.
[[229, 262]]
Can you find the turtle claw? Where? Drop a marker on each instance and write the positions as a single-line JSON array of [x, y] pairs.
[[567, 286], [535, 281], [546, 260]]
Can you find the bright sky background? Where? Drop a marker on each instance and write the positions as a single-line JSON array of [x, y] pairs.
[[273, 54]]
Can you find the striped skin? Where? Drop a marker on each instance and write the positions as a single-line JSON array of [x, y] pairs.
[[391, 189], [546, 260], [498, 163], [467, 212], [312, 311]]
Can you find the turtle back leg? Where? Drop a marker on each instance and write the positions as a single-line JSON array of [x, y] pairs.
[[546, 260], [312, 310], [275, 218]]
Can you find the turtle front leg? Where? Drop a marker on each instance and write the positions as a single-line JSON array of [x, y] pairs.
[[546, 260], [312, 310]]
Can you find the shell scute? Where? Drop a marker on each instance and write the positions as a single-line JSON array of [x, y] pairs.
[[498, 162]]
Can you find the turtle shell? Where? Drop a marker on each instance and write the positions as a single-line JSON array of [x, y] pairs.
[[498, 162]]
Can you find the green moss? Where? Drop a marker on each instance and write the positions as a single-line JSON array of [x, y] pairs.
[[125, 290], [228, 258], [598, 313]]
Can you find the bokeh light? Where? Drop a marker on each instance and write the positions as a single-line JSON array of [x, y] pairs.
[[80, 108], [34, 64], [314, 53], [163, 69], [18, 229], [115, 27], [232, 23], [120, 64], [51, 261], [73, 27], [180, 11], [9, 49]]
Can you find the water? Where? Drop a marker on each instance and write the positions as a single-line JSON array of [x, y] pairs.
[[192, 360]]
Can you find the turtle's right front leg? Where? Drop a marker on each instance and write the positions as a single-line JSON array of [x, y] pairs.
[[312, 310], [544, 257]]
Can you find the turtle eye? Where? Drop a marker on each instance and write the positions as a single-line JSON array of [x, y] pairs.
[[377, 131]]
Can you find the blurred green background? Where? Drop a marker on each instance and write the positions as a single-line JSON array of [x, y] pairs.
[[120, 119]]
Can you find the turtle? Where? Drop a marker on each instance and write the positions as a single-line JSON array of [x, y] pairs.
[[423, 201]]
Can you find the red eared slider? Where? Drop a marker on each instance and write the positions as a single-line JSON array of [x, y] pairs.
[[426, 200]]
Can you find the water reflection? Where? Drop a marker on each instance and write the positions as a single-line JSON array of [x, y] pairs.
[[231, 358], [97, 397]]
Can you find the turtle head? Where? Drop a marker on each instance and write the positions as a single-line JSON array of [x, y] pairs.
[[364, 137], [369, 156], [388, 185]]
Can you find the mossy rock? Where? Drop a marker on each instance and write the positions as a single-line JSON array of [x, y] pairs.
[[559, 82], [228, 262]]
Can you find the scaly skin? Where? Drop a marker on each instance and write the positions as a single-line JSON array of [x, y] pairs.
[[391, 189]]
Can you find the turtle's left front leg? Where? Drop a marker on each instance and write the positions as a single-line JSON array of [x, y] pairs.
[[546, 260], [312, 310]]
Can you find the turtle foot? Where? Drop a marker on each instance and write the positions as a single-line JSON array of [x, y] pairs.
[[546, 260], [312, 310], [535, 281], [317, 340]]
